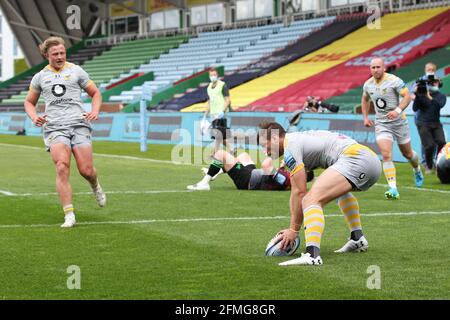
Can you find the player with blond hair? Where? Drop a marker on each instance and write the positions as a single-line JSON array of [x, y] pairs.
[[66, 125]]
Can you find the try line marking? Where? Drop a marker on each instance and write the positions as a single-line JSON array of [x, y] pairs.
[[187, 220]]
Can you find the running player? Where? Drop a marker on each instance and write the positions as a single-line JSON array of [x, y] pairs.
[[66, 126], [348, 166], [385, 90], [242, 170]]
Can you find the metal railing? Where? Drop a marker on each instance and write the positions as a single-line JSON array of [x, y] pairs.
[[349, 9]]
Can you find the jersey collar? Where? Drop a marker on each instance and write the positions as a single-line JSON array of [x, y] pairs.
[[49, 67]]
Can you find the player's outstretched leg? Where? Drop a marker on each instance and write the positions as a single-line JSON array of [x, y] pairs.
[[214, 170], [350, 208]]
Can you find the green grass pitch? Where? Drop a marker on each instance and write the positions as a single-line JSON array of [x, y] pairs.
[[154, 240]]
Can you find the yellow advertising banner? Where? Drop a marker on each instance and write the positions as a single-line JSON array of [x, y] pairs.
[[116, 10]]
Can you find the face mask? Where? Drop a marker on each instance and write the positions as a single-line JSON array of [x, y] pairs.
[[213, 78], [430, 74], [434, 88]]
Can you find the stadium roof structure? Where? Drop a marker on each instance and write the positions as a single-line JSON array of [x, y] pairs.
[[32, 21]]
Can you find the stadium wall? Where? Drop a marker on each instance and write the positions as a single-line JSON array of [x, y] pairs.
[[184, 128]]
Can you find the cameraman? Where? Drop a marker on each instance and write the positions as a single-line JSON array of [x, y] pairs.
[[428, 104], [313, 104]]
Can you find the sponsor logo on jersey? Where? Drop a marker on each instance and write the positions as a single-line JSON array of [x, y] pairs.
[[289, 160], [58, 90]]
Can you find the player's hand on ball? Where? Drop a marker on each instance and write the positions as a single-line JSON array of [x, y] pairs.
[[39, 121], [288, 238], [91, 116], [368, 123]]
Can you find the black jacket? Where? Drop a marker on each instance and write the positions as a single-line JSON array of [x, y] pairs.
[[429, 111]]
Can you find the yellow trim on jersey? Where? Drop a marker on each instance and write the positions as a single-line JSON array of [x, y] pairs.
[[353, 150], [297, 169], [89, 83], [66, 64], [383, 78], [404, 91], [30, 88]]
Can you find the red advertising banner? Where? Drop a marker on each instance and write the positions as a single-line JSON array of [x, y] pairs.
[[432, 34]]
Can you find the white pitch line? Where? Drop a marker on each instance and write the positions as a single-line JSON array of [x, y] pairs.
[[44, 194], [131, 222], [415, 188], [106, 155], [190, 164], [7, 193]]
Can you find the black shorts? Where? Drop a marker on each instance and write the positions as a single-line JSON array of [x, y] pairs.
[[241, 174], [219, 126]]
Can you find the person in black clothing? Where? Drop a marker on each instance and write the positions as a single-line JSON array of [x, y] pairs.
[[428, 105]]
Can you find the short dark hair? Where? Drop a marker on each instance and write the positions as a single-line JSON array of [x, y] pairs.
[[267, 128], [212, 69]]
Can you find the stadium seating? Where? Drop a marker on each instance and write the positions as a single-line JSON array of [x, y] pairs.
[[339, 51], [194, 100], [12, 96], [119, 59], [407, 46], [230, 48]]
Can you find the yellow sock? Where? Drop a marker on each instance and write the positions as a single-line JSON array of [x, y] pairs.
[[314, 223], [389, 173], [350, 208]]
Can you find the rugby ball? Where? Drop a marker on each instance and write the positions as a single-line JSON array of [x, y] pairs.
[[273, 247]]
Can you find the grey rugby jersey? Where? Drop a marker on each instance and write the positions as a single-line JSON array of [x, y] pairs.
[[61, 91], [385, 95]]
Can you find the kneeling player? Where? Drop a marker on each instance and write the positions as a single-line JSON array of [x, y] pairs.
[[243, 172], [349, 167]]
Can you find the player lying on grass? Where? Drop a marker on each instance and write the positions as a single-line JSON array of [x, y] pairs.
[[348, 166], [242, 170]]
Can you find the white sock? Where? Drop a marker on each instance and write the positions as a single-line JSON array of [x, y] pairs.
[[390, 173], [415, 162], [69, 215], [206, 179]]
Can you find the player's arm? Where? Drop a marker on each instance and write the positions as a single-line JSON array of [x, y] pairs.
[[404, 93], [365, 107], [226, 95], [31, 100], [208, 107], [96, 96], [298, 191]]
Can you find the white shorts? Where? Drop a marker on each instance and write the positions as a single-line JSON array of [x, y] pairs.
[[393, 131], [360, 166], [71, 136]]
